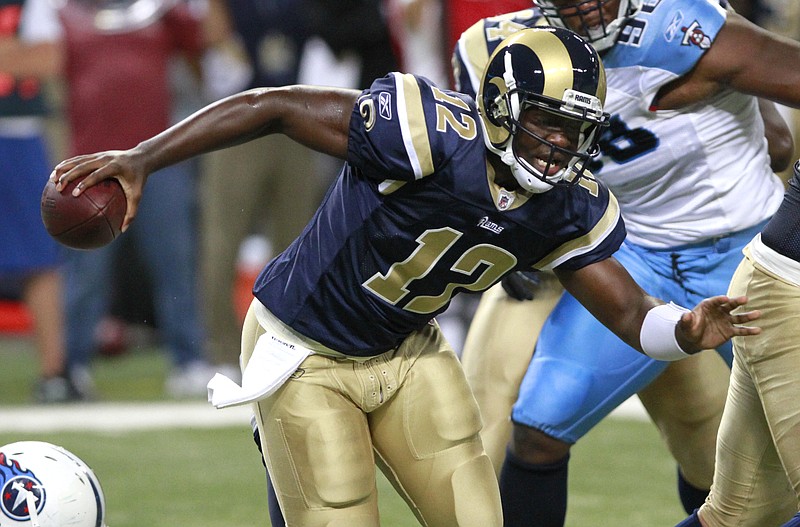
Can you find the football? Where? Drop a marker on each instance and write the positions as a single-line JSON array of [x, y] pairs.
[[91, 220]]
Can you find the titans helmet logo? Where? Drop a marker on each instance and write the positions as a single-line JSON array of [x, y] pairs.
[[19, 490]]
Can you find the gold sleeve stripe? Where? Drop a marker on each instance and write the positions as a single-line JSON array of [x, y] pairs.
[[474, 53], [557, 62], [412, 125], [585, 243], [388, 186]]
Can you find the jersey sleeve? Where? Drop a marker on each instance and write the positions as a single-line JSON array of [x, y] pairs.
[[683, 35], [404, 128], [477, 43]]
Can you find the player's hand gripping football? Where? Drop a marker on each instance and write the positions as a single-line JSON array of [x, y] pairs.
[[125, 166], [712, 322]]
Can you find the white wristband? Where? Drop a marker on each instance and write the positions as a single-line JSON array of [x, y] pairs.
[[657, 335]]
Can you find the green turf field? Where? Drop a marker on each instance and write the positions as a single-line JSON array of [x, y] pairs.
[[620, 473]]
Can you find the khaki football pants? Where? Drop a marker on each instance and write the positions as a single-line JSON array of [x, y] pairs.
[[409, 410], [757, 478]]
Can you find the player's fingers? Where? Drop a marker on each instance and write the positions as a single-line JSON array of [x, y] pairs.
[[95, 171], [67, 164], [748, 316], [130, 214], [744, 331], [106, 163], [132, 196], [738, 301], [69, 169]]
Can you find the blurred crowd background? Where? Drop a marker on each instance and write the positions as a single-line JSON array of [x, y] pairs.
[[77, 76]]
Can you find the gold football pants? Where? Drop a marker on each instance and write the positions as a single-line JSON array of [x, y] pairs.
[[757, 476], [409, 410]]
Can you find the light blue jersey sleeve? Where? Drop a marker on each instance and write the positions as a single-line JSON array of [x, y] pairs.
[[671, 35]]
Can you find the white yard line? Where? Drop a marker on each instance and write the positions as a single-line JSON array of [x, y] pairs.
[[120, 417], [116, 417]]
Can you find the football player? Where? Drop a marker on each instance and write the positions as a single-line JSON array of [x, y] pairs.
[[758, 447], [438, 195], [681, 126]]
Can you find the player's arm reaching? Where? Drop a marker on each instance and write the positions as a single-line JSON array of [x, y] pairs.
[[318, 118], [606, 289]]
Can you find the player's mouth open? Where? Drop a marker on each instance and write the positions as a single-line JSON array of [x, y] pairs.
[[546, 169]]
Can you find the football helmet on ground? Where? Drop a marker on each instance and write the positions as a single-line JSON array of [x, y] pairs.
[[44, 485], [588, 18], [556, 71]]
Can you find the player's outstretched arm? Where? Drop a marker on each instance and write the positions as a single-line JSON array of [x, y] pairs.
[[613, 297], [315, 117]]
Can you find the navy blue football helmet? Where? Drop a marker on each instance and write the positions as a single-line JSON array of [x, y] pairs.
[[554, 70]]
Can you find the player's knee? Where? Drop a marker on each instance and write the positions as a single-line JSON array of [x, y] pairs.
[[475, 494], [535, 447]]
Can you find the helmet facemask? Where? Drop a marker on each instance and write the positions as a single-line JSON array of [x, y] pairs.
[[583, 18], [586, 118]]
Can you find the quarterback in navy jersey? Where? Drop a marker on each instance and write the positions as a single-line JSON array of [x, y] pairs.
[[415, 225], [341, 353]]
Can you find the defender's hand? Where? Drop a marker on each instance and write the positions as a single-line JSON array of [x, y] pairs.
[[711, 323]]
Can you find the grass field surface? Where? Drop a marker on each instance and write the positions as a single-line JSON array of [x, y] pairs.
[[165, 464]]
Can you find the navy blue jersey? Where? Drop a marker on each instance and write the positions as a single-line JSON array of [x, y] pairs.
[[415, 217]]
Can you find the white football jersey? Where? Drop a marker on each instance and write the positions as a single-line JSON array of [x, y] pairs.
[[680, 176]]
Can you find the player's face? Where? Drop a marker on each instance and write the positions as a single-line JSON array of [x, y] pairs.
[[547, 140], [587, 16]]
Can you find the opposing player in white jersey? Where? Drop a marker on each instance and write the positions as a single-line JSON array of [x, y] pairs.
[[686, 155]]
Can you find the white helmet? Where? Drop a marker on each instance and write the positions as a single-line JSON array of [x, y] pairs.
[[43, 485], [603, 35]]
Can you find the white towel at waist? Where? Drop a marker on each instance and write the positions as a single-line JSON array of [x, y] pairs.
[[275, 357]]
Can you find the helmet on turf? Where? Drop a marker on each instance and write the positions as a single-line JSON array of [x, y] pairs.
[[43, 485], [556, 71], [589, 19]]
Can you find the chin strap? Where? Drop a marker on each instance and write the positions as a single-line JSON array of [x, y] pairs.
[[526, 180], [507, 156]]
